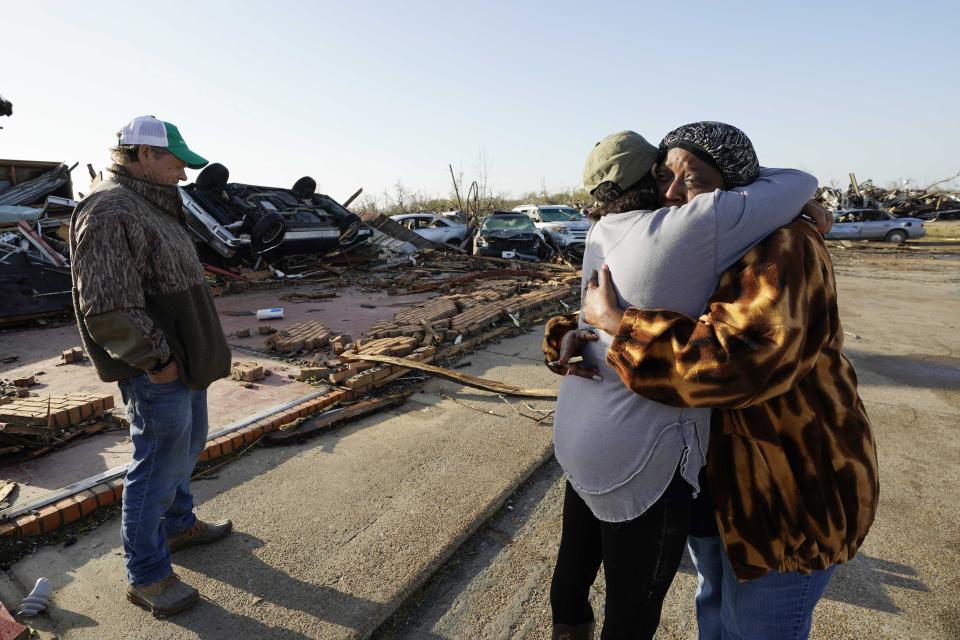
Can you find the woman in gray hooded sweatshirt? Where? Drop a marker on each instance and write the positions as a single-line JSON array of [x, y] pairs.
[[632, 464]]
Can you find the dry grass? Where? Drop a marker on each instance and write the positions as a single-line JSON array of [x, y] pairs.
[[947, 229]]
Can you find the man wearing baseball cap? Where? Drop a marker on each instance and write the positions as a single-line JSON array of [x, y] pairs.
[[147, 319]]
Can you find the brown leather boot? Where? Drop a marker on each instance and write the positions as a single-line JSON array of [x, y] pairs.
[[200, 533], [573, 631], [164, 597]]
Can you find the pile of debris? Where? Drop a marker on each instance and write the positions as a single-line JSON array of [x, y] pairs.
[[904, 202], [39, 424], [36, 200]]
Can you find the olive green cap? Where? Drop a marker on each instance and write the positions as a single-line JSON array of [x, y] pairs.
[[621, 158]]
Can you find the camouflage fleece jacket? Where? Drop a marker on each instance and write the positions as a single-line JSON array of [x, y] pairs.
[[139, 291], [792, 461]]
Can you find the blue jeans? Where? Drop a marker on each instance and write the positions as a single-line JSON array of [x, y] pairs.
[[778, 606], [168, 426]]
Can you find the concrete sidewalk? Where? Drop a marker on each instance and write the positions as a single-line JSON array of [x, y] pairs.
[[333, 535]]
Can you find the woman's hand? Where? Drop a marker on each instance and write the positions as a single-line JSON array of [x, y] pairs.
[[600, 305], [820, 216], [571, 346]]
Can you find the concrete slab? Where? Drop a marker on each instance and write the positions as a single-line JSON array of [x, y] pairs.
[[331, 536]]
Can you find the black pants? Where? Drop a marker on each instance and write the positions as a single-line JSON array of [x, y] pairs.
[[640, 558]]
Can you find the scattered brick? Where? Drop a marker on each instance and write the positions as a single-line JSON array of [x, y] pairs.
[[302, 335], [247, 371], [310, 373], [29, 381], [72, 355]]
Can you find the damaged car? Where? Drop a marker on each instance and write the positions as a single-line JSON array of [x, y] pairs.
[[244, 220], [511, 235], [874, 224], [562, 226]]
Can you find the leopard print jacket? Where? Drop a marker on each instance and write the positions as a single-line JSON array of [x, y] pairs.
[[792, 461]]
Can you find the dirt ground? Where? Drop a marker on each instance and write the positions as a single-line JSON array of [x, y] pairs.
[[901, 310]]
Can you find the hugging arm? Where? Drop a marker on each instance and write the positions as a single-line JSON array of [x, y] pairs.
[[745, 215], [764, 329]]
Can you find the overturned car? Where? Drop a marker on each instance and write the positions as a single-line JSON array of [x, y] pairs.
[[242, 220], [512, 235]]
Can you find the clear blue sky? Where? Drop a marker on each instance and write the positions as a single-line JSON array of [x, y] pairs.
[[365, 94]]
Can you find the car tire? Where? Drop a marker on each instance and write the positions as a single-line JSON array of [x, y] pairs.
[[897, 236], [349, 226], [267, 232], [305, 186], [213, 178]]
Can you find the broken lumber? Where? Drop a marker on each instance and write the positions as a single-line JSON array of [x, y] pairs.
[[333, 417], [455, 376]]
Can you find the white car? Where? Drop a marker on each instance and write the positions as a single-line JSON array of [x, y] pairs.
[[442, 230], [564, 226]]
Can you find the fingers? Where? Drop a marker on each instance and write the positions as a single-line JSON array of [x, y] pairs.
[[584, 372], [594, 279], [606, 280], [822, 218], [587, 335], [557, 368]]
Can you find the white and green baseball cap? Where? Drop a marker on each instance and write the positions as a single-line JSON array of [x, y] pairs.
[[157, 133]]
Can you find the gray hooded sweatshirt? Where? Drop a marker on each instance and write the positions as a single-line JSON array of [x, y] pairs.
[[618, 449]]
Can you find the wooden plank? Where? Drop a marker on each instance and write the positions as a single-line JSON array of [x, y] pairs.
[[334, 417], [456, 376]]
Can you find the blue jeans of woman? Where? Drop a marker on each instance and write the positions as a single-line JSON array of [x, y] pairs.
[[168, 426], [778, 606]]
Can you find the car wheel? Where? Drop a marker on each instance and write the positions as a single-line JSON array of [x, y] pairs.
[[267, 232], [305, 186], [350, 226], [213, 178], [897, 236]]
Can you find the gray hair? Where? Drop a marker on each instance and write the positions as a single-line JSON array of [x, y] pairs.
[[124, 154]]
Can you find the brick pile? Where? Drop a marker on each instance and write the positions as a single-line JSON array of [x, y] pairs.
[[55, 412], [301, 336], [465, 313]]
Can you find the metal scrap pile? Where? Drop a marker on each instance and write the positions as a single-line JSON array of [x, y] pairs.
[[35, 207], [927, 204]]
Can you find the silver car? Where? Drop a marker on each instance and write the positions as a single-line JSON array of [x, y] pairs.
[[435, 228], [874, 224]]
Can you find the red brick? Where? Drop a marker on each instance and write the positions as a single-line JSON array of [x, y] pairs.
[[50, 518], [9, 529], [107, 403], [87, 501], [204, 456], [117, 485], [104, 494], [213, 450], [29, 525], [226, 444], [69, 510]]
